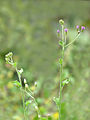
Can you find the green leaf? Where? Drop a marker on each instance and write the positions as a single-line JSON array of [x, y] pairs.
[[17, 83], [61, 43], [28, 102]]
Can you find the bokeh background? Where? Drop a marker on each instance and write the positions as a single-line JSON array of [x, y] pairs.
[[28, 29]]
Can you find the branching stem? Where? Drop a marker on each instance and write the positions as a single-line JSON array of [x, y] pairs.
[[73, 40]]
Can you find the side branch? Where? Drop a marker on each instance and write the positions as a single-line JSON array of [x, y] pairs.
[[73, 40]]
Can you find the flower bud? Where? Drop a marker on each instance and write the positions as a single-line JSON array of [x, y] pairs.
[[77, 27], [58, 31], [25, 81], [26, 85], [61, 22], [66, 30], [35, 84]]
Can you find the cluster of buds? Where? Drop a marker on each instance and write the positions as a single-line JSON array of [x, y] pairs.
[[61, 22], [8, 58]]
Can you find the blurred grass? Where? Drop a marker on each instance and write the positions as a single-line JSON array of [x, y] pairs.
[[28, 29]]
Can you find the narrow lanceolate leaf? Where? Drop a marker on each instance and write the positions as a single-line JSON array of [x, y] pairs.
[[17, 83], [28, 102]]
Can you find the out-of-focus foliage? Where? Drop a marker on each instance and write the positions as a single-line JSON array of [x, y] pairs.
[[28, 29]]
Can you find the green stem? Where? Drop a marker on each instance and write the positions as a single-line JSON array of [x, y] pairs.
[[73, 40], [61, 72]]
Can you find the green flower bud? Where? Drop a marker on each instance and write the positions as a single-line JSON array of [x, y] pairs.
[[61, 22]]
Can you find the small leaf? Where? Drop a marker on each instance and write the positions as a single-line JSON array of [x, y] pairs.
[[28, 102], [61, 43], [17, 83], [60, 61]]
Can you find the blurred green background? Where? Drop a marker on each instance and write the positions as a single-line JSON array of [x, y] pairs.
[[28, 29]]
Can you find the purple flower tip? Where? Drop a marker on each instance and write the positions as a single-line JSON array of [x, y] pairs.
[[58, 31], [83, 28], [66, 30], [77, 26]]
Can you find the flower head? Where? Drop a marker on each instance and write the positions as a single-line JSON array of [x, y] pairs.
[[66, 30], [58, 31], [82, 28], [77, 26]]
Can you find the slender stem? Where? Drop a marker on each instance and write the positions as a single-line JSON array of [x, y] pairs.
[[23, 99], [73, 40], [61, 72]]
